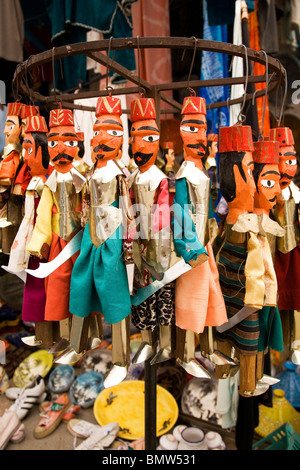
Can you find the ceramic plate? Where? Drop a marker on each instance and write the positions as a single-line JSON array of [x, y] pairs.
[[61, 378], [125, 403], [85, 388], [36, 364]]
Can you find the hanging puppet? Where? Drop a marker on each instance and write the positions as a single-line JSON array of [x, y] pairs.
[[156, 262], [240, 261], [59, 215], [10, 206], [266, 176], [198, 298], [36, 159], [99, 280], [286, 213], [210, 165]]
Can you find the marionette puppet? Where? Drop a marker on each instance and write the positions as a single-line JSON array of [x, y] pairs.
[[168, 164], [99, 280], [240, 260], [210, 165], [267, 176], [198, 299], [11, 211], [156, 262], [286, 213], [23, 177], [59, 216], [78, 162], [36, 158]]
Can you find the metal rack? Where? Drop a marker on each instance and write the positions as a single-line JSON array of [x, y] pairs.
[[99, 51]]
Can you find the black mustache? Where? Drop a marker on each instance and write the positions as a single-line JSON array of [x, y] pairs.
[[103, 147], [62, 155], [141, 158], [288, 177], [273, 199], [196, 146]]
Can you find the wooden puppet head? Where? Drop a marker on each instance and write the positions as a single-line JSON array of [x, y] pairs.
[[27, 111], [168, 154], [287, 154], [193, 129], [144, 133], [13, 123], [108, 131], [62, 140], [235, 169], [35, 146], [80, 146], [266, 175]]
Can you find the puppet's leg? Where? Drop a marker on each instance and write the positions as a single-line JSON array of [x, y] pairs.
[[120, 353], [185, 354], [165, 305], [144, 319]]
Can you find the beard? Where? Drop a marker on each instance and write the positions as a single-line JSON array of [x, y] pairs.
[[141, 158]]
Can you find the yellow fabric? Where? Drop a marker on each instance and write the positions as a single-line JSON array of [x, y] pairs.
[[254, 273], [42, 232]]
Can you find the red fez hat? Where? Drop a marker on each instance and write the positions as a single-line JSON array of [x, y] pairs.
[[108, 105], [61, 117], [36, 124], [168, 145], [14, 109], [80, 136], [235, 139], [212, 138], [142, 109], [266, 151], [193, 105], [28, 110], [283, 135]]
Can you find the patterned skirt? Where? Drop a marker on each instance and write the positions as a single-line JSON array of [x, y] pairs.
[[231, 266]]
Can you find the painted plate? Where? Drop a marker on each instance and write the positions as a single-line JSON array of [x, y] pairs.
[[125, 403], [85, 388], [36, 364]]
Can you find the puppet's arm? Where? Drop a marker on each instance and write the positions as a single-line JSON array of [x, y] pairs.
[[186, 241], [41, 239]]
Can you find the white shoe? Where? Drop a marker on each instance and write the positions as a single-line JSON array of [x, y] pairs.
[[29, 396], [101, 438], [9, 425]]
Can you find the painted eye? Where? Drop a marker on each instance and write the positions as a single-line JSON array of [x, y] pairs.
[[115, 133], [71, 143], [189, 129], [267, 183], [29, 151], [11, 128], [52, 143], [292, 162], [96, 133], [151, 138], [250, 171]]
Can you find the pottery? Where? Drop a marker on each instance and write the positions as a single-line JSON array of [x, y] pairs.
[[168, 442], [192, 438], [214, 441], [178, 430]]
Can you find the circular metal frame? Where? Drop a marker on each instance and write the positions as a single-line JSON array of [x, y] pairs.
[[97, 51]]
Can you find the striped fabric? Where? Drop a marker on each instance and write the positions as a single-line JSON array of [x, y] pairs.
[[231, 264]]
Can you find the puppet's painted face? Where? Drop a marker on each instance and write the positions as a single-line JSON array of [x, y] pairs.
[[245, 185], [213, 149], [108, 138], [268, 187], [33, 156], [145, 143], [63, 146], [193, 133], [287, 165], [12, 130]]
